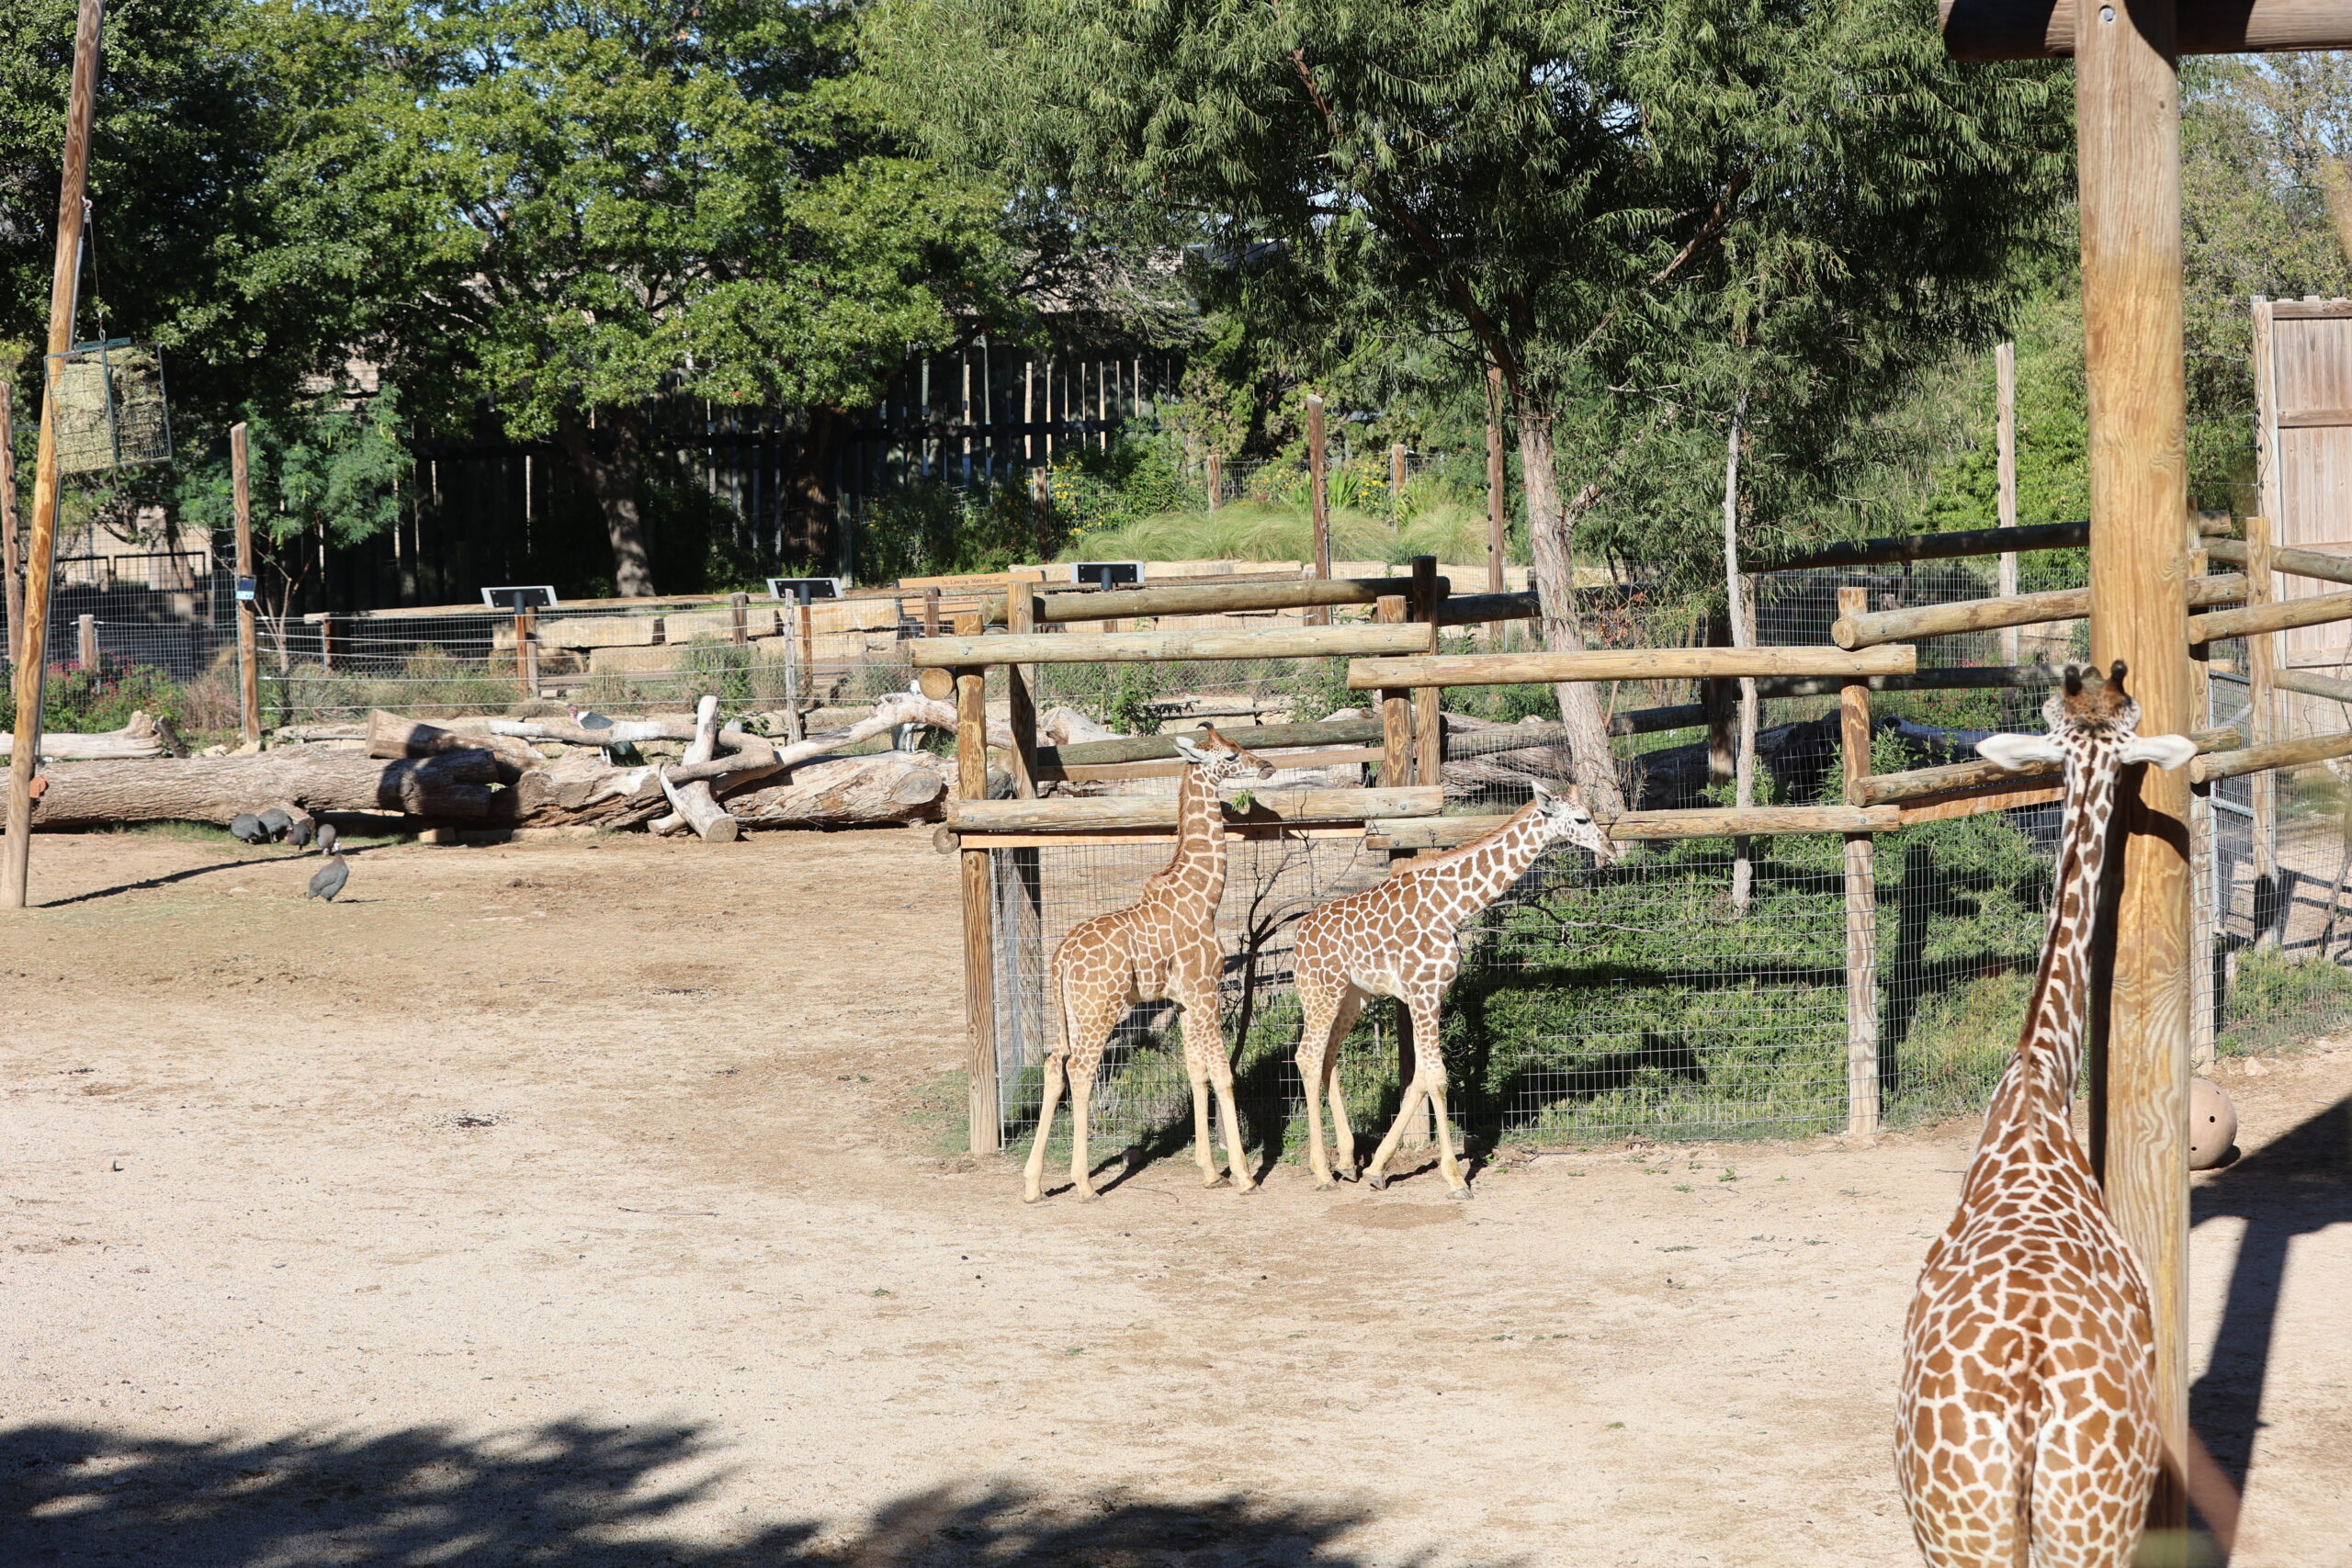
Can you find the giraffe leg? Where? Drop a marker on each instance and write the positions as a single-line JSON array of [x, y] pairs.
[[1081, 1091], [1088, 1023], [1377, 1173], [1428, 1070], [1207, 1020], [1343, 1136], [1056, 1069], [1316, 1012]]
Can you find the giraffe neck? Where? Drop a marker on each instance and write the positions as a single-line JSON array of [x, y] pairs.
[[1200, 837], [1484, 870], [2050, 1047]]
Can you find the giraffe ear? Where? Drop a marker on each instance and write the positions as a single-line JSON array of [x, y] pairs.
[[2166, 751], [1189, 753], [2019, 752]]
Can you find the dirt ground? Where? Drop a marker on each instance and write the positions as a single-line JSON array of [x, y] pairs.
[[583, 1203]]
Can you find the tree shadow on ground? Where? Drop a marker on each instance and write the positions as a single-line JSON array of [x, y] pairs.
[[567, 1495], [2298, 1184]]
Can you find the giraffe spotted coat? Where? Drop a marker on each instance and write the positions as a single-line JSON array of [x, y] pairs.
[[2027, 1435]]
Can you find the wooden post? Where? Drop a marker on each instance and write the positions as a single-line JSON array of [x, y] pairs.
[[931, 612], [2202, 980], [330, 639], [1864, 1076], [2127, 97], [1498, 537], [40, 555], [740, 617], [2005, 368], [808, 629], [86, 642], [1396, 710], [1722, 702], [1216, 481], [527, 652], [12, 561], [1041, 504], [1020, 617], [1316, 501], [1428, 719], [2262, 726], [1397, 476], [248, 655], [980, 947]]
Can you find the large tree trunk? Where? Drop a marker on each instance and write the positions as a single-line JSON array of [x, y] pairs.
[[811, 507], [455, 784], [1593, 768], [611, 458]]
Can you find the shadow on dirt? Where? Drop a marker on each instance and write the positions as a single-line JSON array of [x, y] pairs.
[[567, 1495]]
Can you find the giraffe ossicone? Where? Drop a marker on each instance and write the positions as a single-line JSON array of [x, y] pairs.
[[1396, 938], [1163, 947], [2027, 1430]]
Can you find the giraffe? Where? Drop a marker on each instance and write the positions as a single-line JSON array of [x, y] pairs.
[[1395, 939], [1162, 947], [2026, 1431]]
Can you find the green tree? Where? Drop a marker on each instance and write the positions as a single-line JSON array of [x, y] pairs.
[[1583, 195], [587, 204]]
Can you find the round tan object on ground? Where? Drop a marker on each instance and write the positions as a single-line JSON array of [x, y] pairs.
[[2213, 1125]]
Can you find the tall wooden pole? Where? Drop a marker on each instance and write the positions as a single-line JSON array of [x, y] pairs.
[[248, 655], [2261, 728], [979, 941], [2004, 375], [1316, 497], [2128, 119], [12, 561], [1496, 534], [42, 548], [1862, 1076]]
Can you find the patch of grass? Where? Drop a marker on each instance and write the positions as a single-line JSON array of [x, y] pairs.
[[2278, 1001], [941, 1110]]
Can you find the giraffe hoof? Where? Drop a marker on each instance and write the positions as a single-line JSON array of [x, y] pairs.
[[1325, 1184], [1211, 1178], [1243, 1189], [1461, 1194], [1378, 1180], [1087, 1195]]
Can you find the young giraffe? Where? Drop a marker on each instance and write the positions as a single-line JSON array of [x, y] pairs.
[[2026, 1431], [1395, 939], [1162, 947]]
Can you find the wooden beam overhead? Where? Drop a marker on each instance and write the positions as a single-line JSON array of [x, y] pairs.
[[2045, 29]]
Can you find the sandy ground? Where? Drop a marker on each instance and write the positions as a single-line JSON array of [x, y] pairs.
[[585, 1205]]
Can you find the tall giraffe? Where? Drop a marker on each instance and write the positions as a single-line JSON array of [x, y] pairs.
[[2028, 1429], [1162, 947], [1395, 939]]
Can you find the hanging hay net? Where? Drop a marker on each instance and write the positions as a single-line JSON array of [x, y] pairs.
[[110, 407]]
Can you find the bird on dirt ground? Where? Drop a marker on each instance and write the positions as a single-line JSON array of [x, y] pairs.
[[327, 837], [328, 880], [299, 834], [246, 829], [275, 822]]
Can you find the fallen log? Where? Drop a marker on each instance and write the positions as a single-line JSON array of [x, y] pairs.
[[455, 786], [393, 735], [692, 803], [143, 737], [896, 786]]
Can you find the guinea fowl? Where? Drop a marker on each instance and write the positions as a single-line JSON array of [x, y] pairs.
[[328, 880], [327, 837], [299, 834], [246, 829], [275, 823]]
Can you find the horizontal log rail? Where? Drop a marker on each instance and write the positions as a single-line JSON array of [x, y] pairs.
[[1156, 647], [2038, 29], [1202, 599], [1624, 664], [2283, 615], [1251, 737], [2312, 685], [2276, 754], [1103, 773], [1951, 546], [1267, 807], [1700, 822], [2313, 564], [1479, 609], [1953, 678], [1919, 784], [1880, 626]]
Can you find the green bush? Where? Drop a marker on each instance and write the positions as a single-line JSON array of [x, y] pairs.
[[2276, 1000]]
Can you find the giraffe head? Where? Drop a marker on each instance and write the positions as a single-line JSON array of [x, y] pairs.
[[1563, 816], [1218, 761], [2092, 731]]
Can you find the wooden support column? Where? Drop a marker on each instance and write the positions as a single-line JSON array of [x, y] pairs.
[[2128, 119], [12, 561], [1021, 714], [980, 945], [1428, 719], [739, 607], [1497, 534], [2204, 981], [2004, 375], [1216, 481], [1396, 709], [330, 639], [86, 642], [248, 654], [527, 652], [931, 612], [1397, 475], [1863, 1074], [2262, 727], [40, 548]]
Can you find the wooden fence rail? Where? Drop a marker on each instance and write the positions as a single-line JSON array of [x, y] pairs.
[[1877, 628], [1161, 647], [1267, 807], [1624, 664], [1918, 784]]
